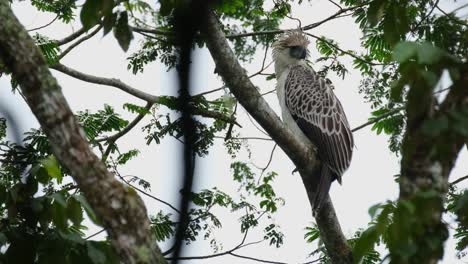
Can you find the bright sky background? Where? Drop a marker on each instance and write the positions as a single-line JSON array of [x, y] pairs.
[[368, 181]]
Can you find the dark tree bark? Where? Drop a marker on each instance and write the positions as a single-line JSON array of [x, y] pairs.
[[119, 208], [302, 155], [426, 164]]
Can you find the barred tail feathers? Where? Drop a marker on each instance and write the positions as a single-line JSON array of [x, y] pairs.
[[322, 188]]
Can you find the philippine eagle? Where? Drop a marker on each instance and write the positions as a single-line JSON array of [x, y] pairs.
[[311, 110]]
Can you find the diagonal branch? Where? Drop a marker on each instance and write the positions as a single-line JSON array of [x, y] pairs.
[[137, 93], [106, 81], [130, 126], [78, 42], [302, 155], [71, 37]]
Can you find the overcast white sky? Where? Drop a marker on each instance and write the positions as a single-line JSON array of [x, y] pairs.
[[368, 181]]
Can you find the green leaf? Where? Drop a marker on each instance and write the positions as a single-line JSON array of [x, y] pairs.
[[429, 54], [312, 234], [373, 209], [122, 31], [89, 211], [95, 253], [52, 167], [59, 216], [91, 13], [376, 11], [404, 51], [108, 22], [2, 126], [74, 211]]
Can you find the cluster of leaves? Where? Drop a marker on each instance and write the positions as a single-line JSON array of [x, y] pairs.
[[64, 9], [328, 48], [41, 221], [2, 128], [103, 12], [203, 222], [242, 16], [367, 256], [458, 204], [150, 51], [204, 134], [106, 120]]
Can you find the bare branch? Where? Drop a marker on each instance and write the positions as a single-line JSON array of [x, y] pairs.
[[256, 259], [78, 42], [106, 81], [135, 92], [43, 26], [149, 195], [335, 4], [95, 234], [458, 180], [71, 37]]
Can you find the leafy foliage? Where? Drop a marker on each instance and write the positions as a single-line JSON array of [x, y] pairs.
[[42, 221], [63, 8], [105, 120], [49, 48], [2, 128]]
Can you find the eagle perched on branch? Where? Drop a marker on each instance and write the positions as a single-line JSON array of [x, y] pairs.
[[311, 110]]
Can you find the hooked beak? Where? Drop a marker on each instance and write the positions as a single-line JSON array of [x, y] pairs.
[[298, 52]]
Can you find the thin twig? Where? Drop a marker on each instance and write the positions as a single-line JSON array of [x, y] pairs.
[[345, 51], [256, 259], [46, 25], [71, 37], [95, 234], [268, 163], [335, 4], [78, 42], [129, 127], [377, 119], [258, 33], [246, 138], [458, 180], [458, 21], [148, 194]]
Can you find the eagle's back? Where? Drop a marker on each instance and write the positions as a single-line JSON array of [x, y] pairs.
[[310, 109]]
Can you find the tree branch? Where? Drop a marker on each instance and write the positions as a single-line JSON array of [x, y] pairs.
[[257, 33], [71, 37], [130, 126], [43, 26], [135, 92], [302, 155], [377, 119], [459, 180], [121, 212], [78, 42]]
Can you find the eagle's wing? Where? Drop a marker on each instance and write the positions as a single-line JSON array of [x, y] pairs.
[[319, 114]]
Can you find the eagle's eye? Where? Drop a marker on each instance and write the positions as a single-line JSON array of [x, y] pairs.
[[298, 52]]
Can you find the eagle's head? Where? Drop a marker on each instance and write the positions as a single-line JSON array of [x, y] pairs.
[[290, 48]]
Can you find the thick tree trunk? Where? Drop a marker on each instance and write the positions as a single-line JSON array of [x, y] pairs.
[[425, 168], [302, 155], [120, 209]]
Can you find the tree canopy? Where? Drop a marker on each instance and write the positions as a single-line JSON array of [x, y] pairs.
[[70, 169]]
